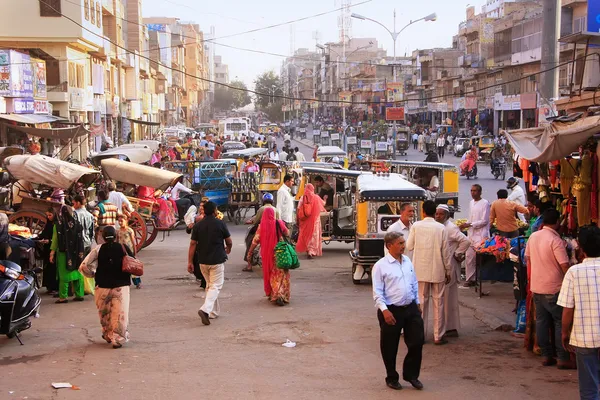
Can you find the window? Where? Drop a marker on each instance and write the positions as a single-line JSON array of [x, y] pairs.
[[86, 9], [80, 77], [579, 24], [50, 8], [98, 15], [92, 12], [72, 75]]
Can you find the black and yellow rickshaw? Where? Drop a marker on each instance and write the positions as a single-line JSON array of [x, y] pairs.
[[402, 139], [377, 206], [337, 223]]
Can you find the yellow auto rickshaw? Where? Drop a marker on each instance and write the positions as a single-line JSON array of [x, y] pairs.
[[271, 176], [485, 147], [378, 200], [332, 154]]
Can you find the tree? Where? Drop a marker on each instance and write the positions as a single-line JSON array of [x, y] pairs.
[[223, 98], [241, 98], [269, 84]]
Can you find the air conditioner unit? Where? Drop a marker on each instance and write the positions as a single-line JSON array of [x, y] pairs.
[[591, 73]]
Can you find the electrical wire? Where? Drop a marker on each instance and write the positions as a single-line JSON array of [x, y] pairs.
[[310, 99]]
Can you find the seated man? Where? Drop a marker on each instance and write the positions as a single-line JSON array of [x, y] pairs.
[[434, 184], [325, 191]]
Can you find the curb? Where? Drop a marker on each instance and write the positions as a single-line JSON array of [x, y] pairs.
[[489, 320]]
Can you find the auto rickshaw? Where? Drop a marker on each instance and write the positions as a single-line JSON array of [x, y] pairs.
[[418, 173], [271, 176], [327, 154], [337, 223], [252, 152], [402, 140], [485, 147], [377, 205]]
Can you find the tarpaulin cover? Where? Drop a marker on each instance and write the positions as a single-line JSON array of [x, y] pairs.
[[49, 171], [137, 174], [553, 142]]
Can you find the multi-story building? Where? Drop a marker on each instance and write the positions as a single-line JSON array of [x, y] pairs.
[[193, 101], [221, 71]]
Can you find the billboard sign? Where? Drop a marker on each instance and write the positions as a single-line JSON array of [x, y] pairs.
[[394, 114], [593, 17]]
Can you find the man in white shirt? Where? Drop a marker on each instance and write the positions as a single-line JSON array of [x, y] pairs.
[[395, 291], [286, 137], [285, 201], [432, 261], [441, 145], [274, 154], [283, 154], [516, 194], [118, 199], [183, 204], [299, 155], [407, 216], [479, 230], [415, 139], [458, 244], [434, 185]]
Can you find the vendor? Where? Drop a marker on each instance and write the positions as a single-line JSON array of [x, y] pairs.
[[325, 191]]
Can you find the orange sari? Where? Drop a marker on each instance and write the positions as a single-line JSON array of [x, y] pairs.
[[309, 237]]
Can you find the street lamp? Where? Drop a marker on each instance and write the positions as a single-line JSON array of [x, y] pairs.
[[395, 34]]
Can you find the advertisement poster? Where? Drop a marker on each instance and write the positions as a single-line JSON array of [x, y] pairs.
[[351, 139], [394, 92], [394, 114], [23, 106], [41, 107], [39, 78], [21, 75], [593, 17], [365, 144], [345, 99]]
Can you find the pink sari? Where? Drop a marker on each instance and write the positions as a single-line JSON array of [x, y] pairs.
[[469, 162], [309, 238]]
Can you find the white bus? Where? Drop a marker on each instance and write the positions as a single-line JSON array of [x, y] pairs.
[[234, 128]]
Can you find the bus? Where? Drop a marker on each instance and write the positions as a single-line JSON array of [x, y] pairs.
[[234, 128]]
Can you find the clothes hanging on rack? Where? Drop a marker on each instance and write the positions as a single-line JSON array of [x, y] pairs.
[[582, 188], [568, 169]]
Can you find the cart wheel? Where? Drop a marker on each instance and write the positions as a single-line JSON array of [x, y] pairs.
[[355, 281], [151, 233], [34, 220], [137, 223]]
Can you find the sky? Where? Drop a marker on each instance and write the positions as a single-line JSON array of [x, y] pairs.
[[235, 16]]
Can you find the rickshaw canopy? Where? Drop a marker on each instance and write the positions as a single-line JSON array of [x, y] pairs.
[[251, 152], [330, 151], [389, 187], [313, 164], [137, 174], [152, 144], [10, 151], [136, 154], [337, 173], [49, 171]]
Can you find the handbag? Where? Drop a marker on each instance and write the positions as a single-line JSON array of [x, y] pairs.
[[285, 254], [131, 265]]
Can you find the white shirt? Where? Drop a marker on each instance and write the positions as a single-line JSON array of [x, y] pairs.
[[394, 283], [434, 182], [285, 204], [286, 136], [431, 258], [300, 156], [518, 196], [273, 155], [179, 188], [457, 244], [283, 155], [441, 142], [399, 226], [479, 218], [580, 291], [118, 199], [211, 146]]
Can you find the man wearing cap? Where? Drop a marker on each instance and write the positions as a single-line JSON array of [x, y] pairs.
[[516, 194], [458, 244]]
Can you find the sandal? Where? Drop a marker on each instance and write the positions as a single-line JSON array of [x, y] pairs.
[[247, 269], [61, 301]]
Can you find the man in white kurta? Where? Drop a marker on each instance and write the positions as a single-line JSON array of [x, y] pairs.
[[516, 194], [458, 244], [429, 243], [479, 230]]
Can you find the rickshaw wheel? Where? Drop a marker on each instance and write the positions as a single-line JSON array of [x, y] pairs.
[[151, 233], [34, 220], [233, 212], [355, 281], [137, 223]]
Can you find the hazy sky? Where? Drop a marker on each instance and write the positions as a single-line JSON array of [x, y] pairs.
[[234, 16]]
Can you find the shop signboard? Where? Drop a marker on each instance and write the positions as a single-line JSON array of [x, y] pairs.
[[471, 103], [593, 17], [394, 114], [23, 106], [39, 78], [335, 136], [351, 139], [2, 105], [381, 146], [18, 72], [40, 107], [394, 92], [4, 80], [325, 133], [458, 104], [365, 144]]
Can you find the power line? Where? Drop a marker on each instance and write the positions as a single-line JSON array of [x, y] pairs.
[[310, 99]]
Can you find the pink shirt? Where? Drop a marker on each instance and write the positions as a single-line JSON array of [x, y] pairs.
[[546, 251]]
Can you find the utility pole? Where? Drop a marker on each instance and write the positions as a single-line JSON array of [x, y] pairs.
[[550, 56]]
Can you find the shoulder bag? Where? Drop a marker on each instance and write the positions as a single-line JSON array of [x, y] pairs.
[[285, 254], [131, 265]]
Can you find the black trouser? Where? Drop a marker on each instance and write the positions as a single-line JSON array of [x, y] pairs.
[[441, 151], [198, 272], [407, 318], [415, 143]]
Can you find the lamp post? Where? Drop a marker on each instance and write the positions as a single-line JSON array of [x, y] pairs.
[[395, 34]]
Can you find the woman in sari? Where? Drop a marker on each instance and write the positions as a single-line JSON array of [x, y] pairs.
[[309, 212], [126, 236], [112, 289], [276, 281], [470, 161]]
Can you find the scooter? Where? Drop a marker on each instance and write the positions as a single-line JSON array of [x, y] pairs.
[[499, 168], [19, 299]]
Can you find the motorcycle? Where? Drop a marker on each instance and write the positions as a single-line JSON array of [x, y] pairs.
[[472, 173], [19, 299], [499, 168]]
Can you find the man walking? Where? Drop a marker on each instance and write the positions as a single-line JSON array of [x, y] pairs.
[[504, 212], [299, 154], [285, 201], [547, 262], [581, 313], [407, 215], [478, 225], [415, 139], [395, 290], [212, 243], [458, 244], [441, 145], [428, 241]]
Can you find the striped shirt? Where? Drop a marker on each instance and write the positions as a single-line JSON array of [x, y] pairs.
[[581, 290], [108, 218]]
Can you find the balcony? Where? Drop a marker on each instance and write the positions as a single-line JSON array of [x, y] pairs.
[[108, 7], [565, 3], [58, 93]]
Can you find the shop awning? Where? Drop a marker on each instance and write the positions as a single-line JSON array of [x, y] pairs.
[[31, 118], [139, 121], [553, 142], [53, 133]]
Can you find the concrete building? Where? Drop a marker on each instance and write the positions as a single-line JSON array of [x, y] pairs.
[[221, 70], [196, 65]]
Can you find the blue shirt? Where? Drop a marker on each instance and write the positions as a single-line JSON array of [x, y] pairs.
[[394, 283]]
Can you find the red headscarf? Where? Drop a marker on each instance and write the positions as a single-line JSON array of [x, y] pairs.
[[268, 239]]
